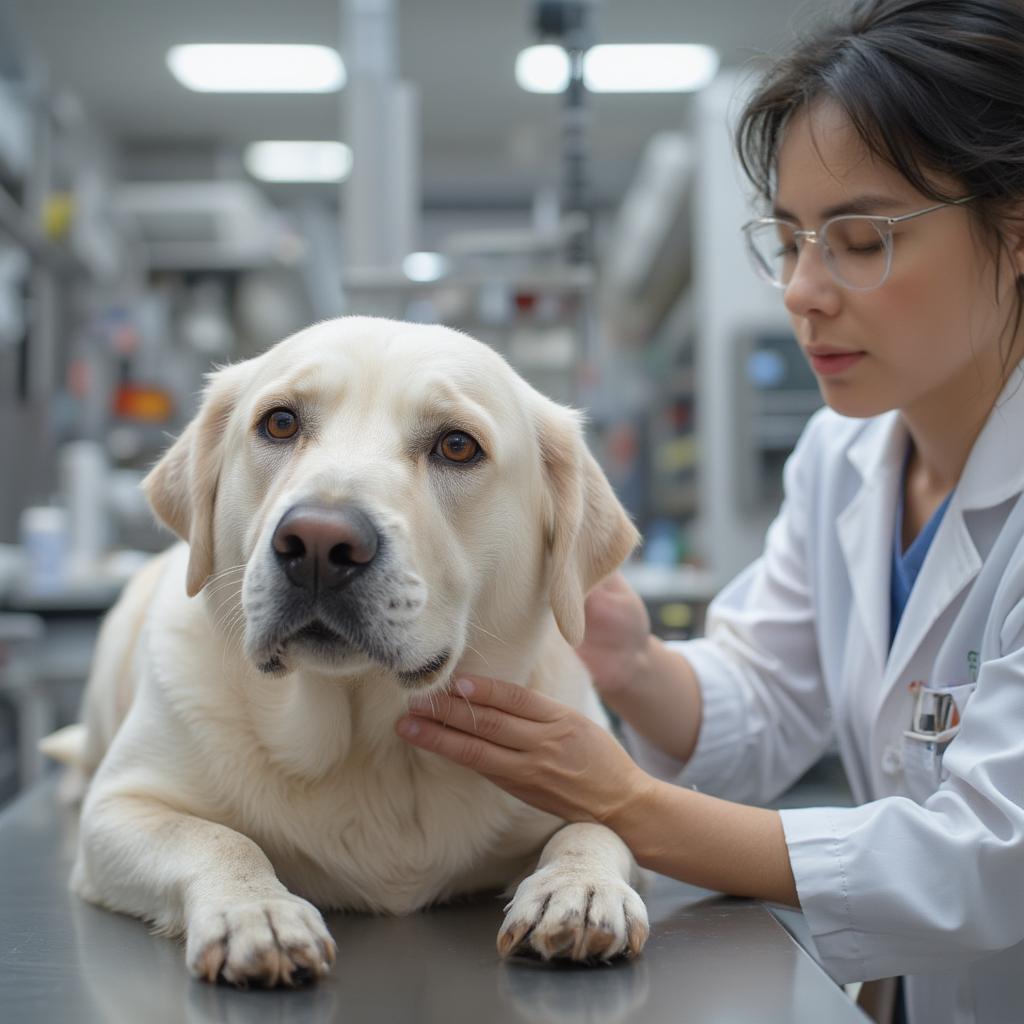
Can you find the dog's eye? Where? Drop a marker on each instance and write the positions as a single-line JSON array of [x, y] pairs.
[[457, 446], [281, 424]]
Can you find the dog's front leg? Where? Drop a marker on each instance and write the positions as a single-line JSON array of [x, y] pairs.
[[579, 903], [192, 876]]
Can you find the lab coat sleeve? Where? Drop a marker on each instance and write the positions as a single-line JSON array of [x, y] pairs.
[[765, 715], [895, 887]]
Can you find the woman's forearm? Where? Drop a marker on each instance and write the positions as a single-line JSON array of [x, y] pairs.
[[705, 841], [661, 701]]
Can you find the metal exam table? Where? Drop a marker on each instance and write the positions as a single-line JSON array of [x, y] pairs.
[[709, 959]]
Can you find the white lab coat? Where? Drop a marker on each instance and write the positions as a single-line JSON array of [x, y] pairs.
[[925, 877]]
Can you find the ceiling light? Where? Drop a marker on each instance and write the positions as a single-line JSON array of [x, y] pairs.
[[244, 67], [424, 266], [298, 161], [649, 67], [542, 68], [620, 67]]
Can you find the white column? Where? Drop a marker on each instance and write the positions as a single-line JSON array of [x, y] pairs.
[[380, 201], [731, 305]]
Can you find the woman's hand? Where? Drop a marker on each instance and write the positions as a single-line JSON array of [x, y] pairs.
[[535, 748], [559, 761], [645, 683], [618, 631]]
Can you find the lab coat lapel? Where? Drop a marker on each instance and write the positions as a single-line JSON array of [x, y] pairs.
[[995, 472], [989, 478], [950, 565], [865, 529]]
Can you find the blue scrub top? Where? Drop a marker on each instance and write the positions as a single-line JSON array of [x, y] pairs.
[[907, 564]]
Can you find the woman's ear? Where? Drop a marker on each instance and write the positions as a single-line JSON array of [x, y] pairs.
[[182, 486], [588, 532]]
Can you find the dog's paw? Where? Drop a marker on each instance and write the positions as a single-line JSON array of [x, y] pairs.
[[572, 915], [268, 942]]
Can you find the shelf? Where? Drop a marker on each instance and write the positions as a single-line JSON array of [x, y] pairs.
[[568, 279]]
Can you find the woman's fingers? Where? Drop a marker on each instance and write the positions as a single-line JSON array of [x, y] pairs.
[[531, 746], [460, 747], [458, 712], [510, 697]]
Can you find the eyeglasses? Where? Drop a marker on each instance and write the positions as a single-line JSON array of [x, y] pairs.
[[856, 248]]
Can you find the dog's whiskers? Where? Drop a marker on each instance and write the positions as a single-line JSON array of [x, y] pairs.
[[469, 704], [221, 586], [224, 572], [473, 624], [225, 604], [226, 628], [233, 629], [231, 619], [232, 623], [237, 624], [225, 619], [470, 647], [224, 655]]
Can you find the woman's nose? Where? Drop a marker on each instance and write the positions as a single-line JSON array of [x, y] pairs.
[[811, 288]]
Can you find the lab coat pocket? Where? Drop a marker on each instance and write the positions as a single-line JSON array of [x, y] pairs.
[[934, 725], [922, 767]]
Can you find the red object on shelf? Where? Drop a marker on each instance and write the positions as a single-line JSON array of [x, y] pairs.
[[525, 301], [142, 402]]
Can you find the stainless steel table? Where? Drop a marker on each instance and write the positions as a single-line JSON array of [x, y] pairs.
[[709, 959]]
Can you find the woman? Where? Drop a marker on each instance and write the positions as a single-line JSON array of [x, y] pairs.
[[887, 610]]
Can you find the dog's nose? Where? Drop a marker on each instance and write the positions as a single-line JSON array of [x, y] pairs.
[[324, 548]]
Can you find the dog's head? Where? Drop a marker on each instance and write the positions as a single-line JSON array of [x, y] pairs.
[[375, 494]]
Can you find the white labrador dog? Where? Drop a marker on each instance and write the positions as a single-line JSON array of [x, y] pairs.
[[367, 505]]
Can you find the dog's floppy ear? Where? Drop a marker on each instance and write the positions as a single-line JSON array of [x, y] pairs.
[[182, 486], [589, 534]]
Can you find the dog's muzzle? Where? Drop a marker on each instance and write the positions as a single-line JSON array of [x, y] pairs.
[[323, 550]]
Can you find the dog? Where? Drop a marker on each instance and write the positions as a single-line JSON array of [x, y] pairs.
[[364, 508]]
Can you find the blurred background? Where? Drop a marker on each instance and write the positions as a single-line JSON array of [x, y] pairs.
[[183, 184]]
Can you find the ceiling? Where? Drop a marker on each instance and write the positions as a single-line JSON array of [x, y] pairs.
[[483, 139]]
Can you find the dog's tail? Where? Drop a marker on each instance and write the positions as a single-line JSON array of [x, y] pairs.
[[67, 746]]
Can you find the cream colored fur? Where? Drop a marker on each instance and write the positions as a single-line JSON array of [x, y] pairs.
[[228, 803]]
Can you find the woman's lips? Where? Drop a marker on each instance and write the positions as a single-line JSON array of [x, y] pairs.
[[825, 364]]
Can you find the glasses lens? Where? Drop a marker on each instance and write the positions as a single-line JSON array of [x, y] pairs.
[[771, 245], [856, 250]]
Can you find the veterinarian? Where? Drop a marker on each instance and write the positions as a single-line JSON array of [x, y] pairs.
[[887, 610]]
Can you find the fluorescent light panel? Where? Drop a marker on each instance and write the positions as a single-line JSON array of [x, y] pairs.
[[543, 68], [282, 161], [425, 266], [620, 67], [245, 67]]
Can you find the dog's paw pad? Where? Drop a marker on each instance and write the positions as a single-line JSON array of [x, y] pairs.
[[280, 941], [559, 915]]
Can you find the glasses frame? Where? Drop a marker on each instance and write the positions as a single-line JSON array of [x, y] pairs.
[[881, 224]]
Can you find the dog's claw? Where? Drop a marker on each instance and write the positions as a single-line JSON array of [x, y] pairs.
[[557, 917], [280, 941]]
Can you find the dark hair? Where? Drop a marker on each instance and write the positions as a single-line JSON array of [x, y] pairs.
[[929, 86]]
